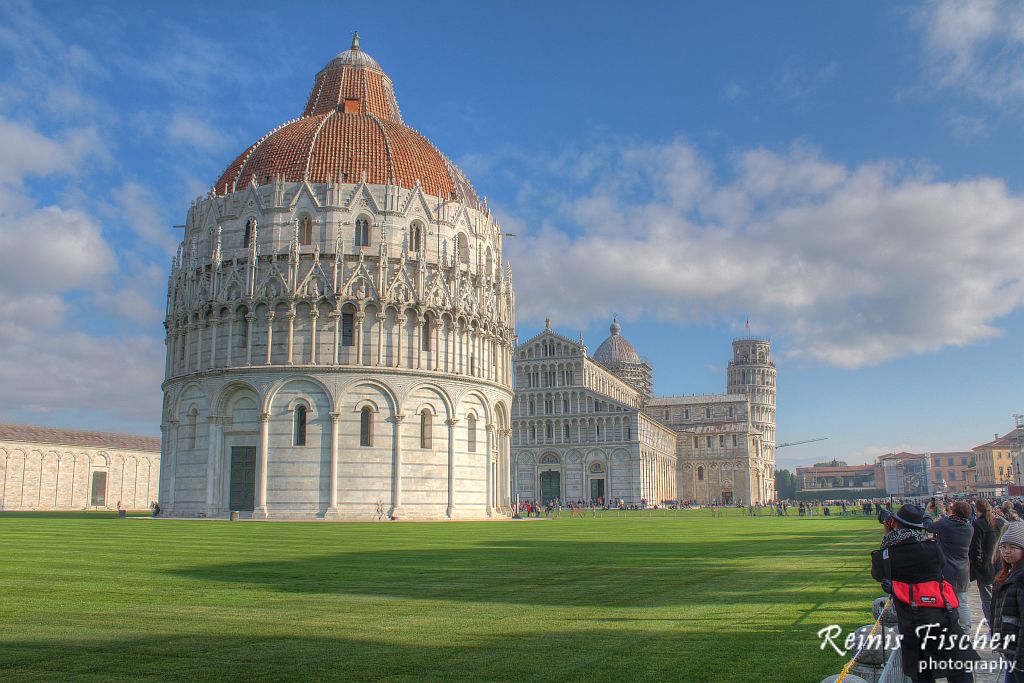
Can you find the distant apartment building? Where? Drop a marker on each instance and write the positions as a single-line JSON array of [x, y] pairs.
[[952, 472], [996, 468]]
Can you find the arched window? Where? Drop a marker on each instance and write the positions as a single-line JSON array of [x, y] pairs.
[[700, 473], [426, 427], [362, 232], [471, 433], [305, 231], [250, 228], [300, 426], [426, 334], [366, 427], [489, 260], [416, 238], [462, 245], [193, 420]]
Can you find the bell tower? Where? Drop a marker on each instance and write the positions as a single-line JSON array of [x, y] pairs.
[[752, 372]]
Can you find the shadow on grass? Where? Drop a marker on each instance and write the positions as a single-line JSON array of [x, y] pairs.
[[594, 655], [564, 573]]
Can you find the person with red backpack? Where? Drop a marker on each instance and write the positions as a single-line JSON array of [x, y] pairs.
[[909, 566]]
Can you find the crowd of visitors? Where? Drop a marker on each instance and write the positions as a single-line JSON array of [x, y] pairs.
[[927, 560]]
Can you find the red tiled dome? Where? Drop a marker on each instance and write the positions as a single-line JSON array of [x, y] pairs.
[[350, 126]]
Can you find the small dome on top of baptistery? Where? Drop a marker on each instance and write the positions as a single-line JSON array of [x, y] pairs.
[[350, 130]]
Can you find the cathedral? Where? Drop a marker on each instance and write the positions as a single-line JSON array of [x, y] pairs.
[[340, 326], [589, 428]]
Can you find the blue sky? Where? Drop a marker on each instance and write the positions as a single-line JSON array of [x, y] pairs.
[[845, 175]]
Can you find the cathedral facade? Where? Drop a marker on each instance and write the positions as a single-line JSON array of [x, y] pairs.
[[590, 428], [339, 325]]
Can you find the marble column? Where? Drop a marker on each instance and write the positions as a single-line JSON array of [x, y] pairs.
[[335, 317], [270, 335], [396, 479], [291, 334], [358, 333], [380, 338], [489, 451], [332, 503], [260, 507], [314, 314], [400, 324], [250, 318], [214, 329], [451, 466]]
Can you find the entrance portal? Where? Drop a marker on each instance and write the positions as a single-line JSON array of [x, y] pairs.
[[726, 497], [243, 478], [596, 489], [550, 486]]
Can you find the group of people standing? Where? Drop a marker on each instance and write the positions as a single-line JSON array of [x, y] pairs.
[[927, 561]]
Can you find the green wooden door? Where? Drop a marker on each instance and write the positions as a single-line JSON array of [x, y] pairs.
[[596, 489], [243, 477], [550, 486]]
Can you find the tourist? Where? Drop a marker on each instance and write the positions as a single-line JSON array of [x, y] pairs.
[[1008, 598], [1008, 512], [982, 551], [908, 559], [954, 533]]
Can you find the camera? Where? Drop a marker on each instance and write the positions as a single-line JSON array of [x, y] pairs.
[[884, 515]]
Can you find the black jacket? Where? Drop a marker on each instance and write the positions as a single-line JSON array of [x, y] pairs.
[[916, 561], [954, 536], [1008, 619], [982, 551]]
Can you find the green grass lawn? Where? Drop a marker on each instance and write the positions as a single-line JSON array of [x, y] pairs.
[[681, 597]]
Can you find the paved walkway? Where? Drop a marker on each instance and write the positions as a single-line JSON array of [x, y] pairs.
[[988, 676]]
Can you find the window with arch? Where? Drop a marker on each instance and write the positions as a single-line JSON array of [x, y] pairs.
[[426, 428], [547, 431], [462, 246], [471, 433], [305, 230], [250, 228], [700, 473], [489, 260], [565, 431], [366, 426], [299, 430], [362, 232], [193, 421], [416, 237], [428, 330]]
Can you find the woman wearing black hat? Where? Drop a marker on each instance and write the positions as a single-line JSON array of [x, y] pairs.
[[909, 566]]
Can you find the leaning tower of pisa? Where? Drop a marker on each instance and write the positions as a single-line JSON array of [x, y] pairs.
[[752, 372]]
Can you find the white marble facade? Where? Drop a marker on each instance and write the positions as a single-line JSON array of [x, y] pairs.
[[576, 421], [339, 347], [63, 469]]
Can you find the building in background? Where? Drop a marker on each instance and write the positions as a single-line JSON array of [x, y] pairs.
[[837, 480], [339, 324], [42, 468], [952, 472], [997, 463], [586, 425]]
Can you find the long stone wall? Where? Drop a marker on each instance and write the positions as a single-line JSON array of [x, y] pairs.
[[57, 477]]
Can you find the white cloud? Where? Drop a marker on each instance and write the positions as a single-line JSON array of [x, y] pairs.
[[851, 266], [196, 132], [976, 46]]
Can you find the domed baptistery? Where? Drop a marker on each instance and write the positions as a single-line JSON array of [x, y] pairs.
[[339, 325]]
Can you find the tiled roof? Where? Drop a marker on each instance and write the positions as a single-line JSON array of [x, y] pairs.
[[351, 128], [77, 437]]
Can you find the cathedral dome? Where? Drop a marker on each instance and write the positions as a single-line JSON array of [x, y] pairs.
[[615, 349], [350, 130]]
